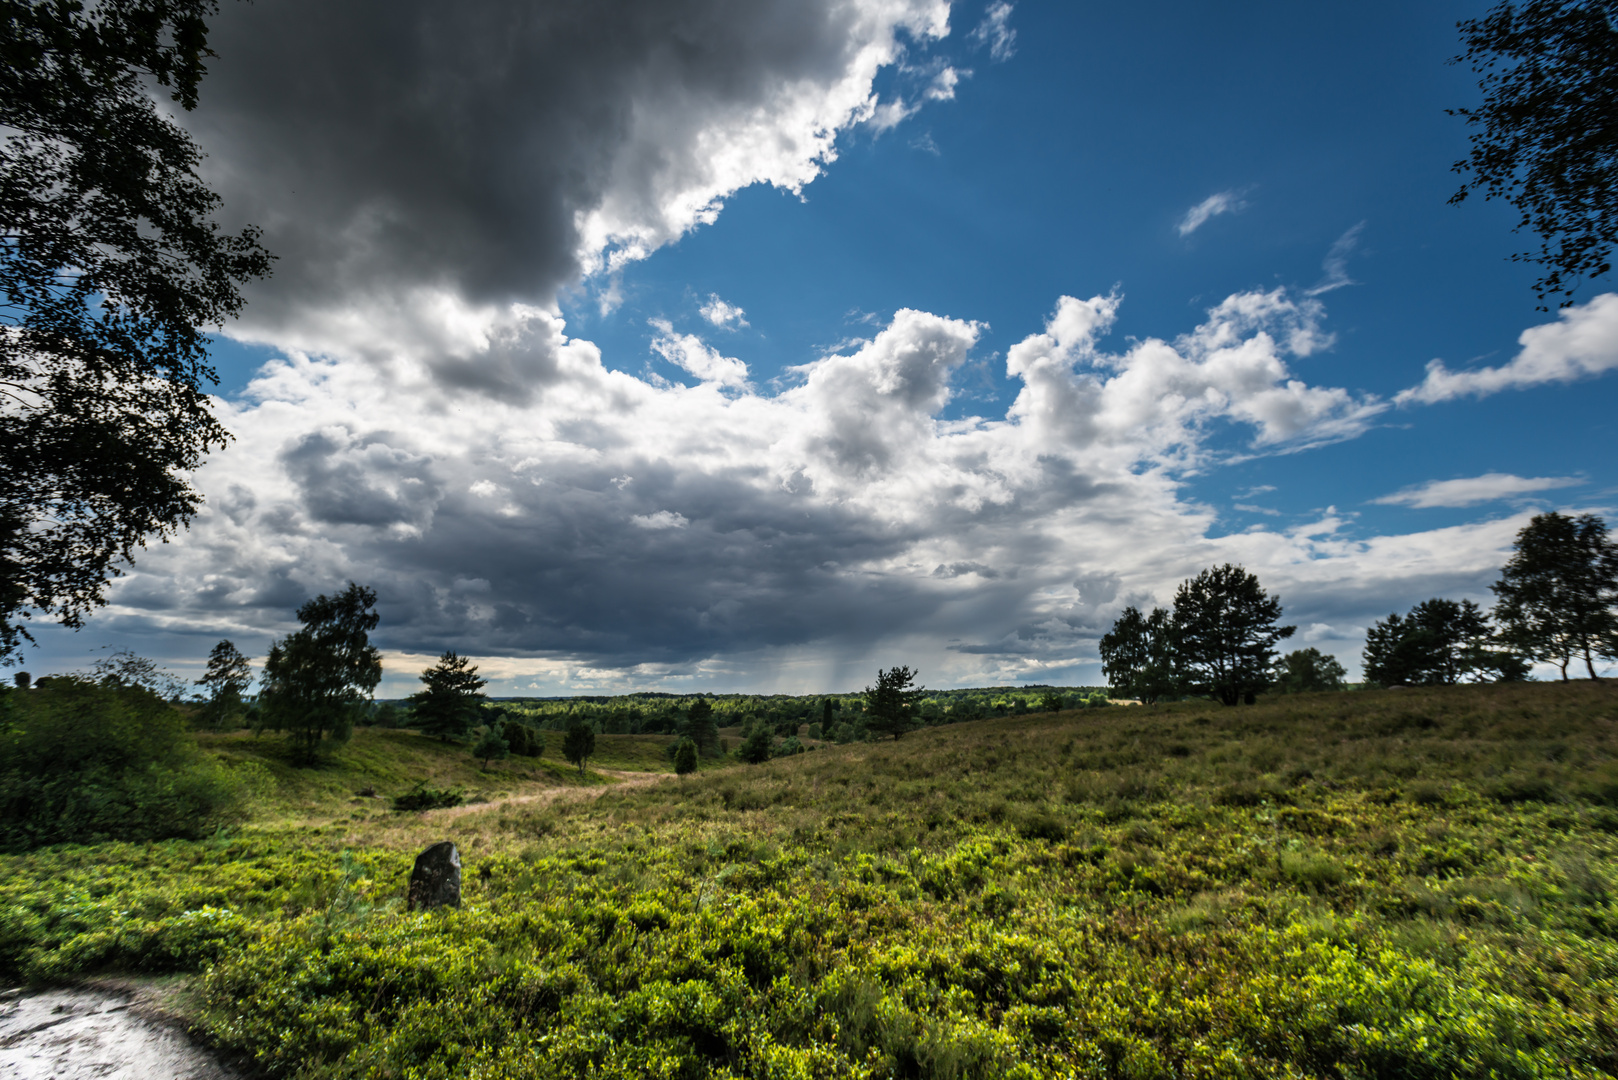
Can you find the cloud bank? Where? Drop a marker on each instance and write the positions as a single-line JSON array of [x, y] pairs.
[[619, 530]]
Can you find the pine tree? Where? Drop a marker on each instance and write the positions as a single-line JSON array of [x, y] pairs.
[[579, 745], [892, 701], [449, 706], [1139, 657], [1225, 634], [492, 746], [685, 757], [700, 727]]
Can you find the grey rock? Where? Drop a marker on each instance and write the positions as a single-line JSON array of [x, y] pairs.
[[436, 880]]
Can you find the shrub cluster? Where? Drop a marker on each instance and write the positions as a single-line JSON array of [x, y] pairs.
[[426, 797], [85, 761]]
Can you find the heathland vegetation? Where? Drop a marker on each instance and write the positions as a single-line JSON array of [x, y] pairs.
[[1413, 883]]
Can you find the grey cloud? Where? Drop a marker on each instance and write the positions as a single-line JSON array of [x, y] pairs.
[[388, 146], [1097, 588], [961, 569], [360, 481]]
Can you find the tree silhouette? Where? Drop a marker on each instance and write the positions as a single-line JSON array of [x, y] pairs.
[[1556, 592], [111, 270], [579, 745], [1545, 138], [227, 678], [1140, 657], [891, 703]]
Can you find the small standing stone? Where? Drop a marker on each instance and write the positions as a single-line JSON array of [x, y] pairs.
[[436, 879]]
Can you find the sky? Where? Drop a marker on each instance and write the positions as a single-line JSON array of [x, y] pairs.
[[738, 345]]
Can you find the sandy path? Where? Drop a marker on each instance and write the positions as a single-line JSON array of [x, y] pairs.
[[79, 1034], [555, 794]]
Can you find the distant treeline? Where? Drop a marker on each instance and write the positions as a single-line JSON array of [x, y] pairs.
[[665, 714]]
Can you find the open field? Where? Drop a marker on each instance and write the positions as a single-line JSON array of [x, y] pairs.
[[1415, 883]]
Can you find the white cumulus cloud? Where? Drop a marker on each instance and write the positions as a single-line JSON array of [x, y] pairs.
[[1581, 343], [622, 522], [721, 314], [696, 356]]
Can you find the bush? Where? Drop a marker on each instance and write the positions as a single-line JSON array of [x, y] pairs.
[[426, 797], [524, 741], [85, 761], [685, 757], [756, 748]]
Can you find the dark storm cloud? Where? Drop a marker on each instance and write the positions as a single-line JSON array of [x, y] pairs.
[[360, 481], [570, 572], [389, 146]]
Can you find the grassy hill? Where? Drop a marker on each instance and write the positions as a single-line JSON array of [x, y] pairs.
[[1417, 883], [360, 778]]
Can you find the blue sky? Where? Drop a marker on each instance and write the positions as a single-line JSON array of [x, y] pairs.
[[1061, 150]]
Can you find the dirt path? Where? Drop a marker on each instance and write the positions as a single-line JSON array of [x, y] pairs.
[[555, 794], [79, 1034]]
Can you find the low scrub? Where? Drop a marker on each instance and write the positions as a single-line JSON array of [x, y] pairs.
[[1294, 889], [426, 797], [85, 761]]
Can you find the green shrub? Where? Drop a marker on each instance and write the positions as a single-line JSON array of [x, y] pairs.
[[426, 797], [755, 749], [86, 761], [523, 740]]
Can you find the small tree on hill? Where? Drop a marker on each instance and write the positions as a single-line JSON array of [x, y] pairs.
[[316, 681], [579, 745], [755, 749], [1139, 656], [1557, 592], [227, 678], [1308, 671], [700, 727], [492, 746], [452, 701], [1225, 631], [891, 703], [685, 757]]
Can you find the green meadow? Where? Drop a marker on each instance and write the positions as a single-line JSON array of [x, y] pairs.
[[1406, 883]]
